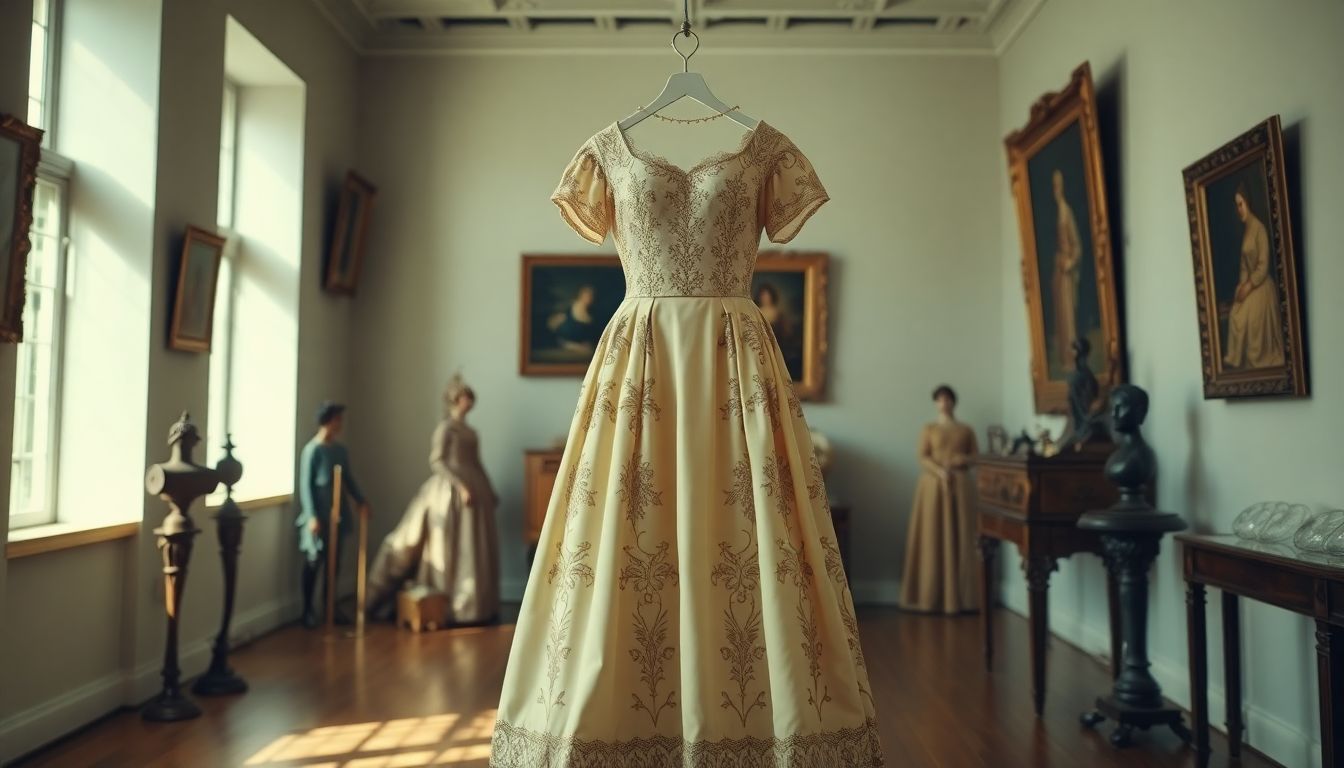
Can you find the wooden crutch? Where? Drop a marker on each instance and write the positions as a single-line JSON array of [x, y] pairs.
[[333, 538], [363, 574]]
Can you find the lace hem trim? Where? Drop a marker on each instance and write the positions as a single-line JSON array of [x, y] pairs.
[[858, 747]]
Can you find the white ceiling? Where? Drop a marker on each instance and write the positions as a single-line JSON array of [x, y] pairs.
[[447, 26]]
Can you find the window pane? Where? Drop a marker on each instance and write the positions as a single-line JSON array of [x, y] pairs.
[[37, 65], [35, 374]]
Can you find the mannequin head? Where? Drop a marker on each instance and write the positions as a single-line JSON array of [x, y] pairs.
[[945, 400], [331, 419], [1129, 407]]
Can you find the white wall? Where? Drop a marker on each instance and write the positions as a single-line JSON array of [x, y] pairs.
[[1177, 81], [110, 595], [466, 151]]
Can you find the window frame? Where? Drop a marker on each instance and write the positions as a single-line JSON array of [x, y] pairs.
[[55, 170], [51, 72]]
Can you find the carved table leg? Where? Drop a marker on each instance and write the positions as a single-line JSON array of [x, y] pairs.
[[989, 547], [1330, 674], [1038, 568], [1232, 672], [1199, 669]]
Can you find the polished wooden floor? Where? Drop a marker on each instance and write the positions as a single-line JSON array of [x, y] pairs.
[[398, 699]]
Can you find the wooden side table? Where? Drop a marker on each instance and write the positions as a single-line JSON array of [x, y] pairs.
[[540, 468], [1034, 502], [1311, 585]]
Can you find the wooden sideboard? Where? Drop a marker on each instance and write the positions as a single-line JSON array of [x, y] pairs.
[[1034, 502], [540, 468]]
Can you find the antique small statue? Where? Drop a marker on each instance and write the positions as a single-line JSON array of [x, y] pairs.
[[1023, 443], [1133, 463], [1085, 424]]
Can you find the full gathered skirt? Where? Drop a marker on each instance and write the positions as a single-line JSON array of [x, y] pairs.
[[687, 606], [445, 545], [940, 554]]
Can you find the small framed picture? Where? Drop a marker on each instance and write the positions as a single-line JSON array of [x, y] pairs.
[[789, 287], [1246, 292], [567, 303], [20, 150], [346, 257], [197, 278]]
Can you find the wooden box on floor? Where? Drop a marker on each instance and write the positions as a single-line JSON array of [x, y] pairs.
[[422, 609]]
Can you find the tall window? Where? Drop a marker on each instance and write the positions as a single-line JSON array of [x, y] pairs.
[[41, 69], [32, 493], [221, 345]]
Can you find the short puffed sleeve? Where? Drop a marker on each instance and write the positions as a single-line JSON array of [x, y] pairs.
[[791, 193], [583, 196]]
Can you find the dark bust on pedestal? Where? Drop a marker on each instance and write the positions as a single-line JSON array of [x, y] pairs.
[[1130, 531]]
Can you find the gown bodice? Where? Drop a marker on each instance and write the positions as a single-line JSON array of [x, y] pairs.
[[689, 231]]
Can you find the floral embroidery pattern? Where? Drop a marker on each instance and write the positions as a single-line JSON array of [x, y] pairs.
[[793, 565], [779, 485], [753, 336], [856, 747], [600, 406], [571, 570], [637, 490], [733, 408], [578, 490], [728, 341], [639, 401], [739, 571], [618, 345]]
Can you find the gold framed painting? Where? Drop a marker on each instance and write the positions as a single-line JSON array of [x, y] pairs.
[[20, 151], [345, 260], [1055, 166], [1250, 317], [789, 287], [567, 301], [194, 303]]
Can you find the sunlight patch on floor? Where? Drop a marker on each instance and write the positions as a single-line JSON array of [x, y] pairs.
[[448, 739]]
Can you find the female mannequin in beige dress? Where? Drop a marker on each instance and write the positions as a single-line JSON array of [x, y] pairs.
[[447, 539], [940, 549]]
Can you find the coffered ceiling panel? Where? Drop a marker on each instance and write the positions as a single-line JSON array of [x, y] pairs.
[[929, 26]]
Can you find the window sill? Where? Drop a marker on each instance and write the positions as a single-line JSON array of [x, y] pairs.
[[41, 539], [253, 505]]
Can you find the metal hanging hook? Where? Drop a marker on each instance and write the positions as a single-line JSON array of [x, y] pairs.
[[685, 31]]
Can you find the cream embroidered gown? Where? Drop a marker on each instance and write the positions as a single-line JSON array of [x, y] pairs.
[[687, 605]]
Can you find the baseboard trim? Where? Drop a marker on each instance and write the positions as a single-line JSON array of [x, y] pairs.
[[38, 726], [1268, 734]]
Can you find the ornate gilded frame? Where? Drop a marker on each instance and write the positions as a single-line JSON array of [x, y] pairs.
[[354, 186], [1051, 115], [526, 365], [1262, 144], [29, 141], [176, 338], [815, 266]]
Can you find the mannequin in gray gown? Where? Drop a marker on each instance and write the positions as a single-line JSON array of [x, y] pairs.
[[446, 539]]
